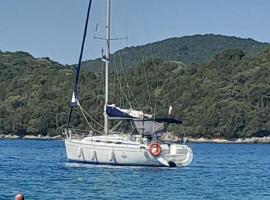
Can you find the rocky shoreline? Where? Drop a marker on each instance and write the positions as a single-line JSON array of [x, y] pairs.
[[30, 137], [253, 140]]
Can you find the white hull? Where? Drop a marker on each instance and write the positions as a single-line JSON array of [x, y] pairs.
[[104, 150]]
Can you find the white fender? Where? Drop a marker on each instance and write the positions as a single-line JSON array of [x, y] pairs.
[[111, 155], [79, 151], [94, 155]]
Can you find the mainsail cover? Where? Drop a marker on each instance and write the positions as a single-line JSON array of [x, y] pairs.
[[116, 112]]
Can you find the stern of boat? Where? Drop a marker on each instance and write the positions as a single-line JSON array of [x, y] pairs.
[[177, 155]]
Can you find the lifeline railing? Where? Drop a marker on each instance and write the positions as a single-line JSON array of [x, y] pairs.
[[72, 133]]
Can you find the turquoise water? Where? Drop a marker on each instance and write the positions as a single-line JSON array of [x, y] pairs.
[[219, 171]]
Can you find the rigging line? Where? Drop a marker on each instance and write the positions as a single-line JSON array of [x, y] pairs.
[[116, 126], [94, 14], [69, 116], [122, 100], [87, 120], [114, 86], [115, 76], [99, 73], [121, 88], [121, 65], [147, 85], [100, 80], [82, 48], [91, 117], [113, 89], [155, 106], [80, 61]]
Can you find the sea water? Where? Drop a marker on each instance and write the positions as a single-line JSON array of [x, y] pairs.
[[39, 169]]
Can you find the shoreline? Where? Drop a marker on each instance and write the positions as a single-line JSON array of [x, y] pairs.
[[252, 140], [30, 137]]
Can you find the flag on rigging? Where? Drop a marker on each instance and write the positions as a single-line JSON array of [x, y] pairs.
[[170, 110], [73, 102]]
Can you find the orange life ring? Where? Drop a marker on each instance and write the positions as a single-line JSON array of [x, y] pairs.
[[154, 149]]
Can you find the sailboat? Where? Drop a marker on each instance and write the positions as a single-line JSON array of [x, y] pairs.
[[144, 147]]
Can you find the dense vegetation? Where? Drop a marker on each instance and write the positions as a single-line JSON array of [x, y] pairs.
[[35, 94], [188, 49], [227, 97]]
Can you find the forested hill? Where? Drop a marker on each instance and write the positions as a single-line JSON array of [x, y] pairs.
[[34, 94], [226, 97], [188, 49]]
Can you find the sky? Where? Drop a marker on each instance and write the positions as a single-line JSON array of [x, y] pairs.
[[54, 28]]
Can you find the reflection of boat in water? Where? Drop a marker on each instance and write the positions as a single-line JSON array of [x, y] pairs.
[[141, 148]]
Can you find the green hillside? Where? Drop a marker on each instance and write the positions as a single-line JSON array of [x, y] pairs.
[[227, 97], [35, 94], [188, 49]]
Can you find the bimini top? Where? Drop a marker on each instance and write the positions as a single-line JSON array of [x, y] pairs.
[[115, 112]]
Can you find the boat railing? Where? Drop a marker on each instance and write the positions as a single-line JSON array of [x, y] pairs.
[[72, 133]]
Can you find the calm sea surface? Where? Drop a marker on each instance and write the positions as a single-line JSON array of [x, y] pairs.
[[219, 171]]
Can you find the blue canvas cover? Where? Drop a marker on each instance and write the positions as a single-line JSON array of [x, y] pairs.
[[113, 111]]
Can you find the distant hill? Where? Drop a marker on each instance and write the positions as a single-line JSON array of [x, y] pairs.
[[188, 49]]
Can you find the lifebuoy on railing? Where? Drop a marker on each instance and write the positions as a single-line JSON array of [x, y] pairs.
[[154, 149]]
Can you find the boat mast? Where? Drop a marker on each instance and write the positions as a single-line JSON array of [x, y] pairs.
[[107, 63]]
